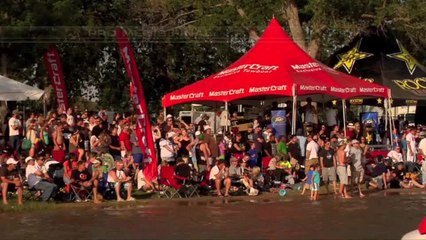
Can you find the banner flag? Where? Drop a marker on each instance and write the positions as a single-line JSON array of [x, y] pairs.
[[143, 125], [278, 119], [52, 61]]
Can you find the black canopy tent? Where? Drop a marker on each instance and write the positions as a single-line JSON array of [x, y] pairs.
[[377, 56]]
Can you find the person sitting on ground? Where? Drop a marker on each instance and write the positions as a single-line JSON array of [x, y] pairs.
[[39, 179], [119, 178], [219, 176], [379, 174], [282, 169], [10, 180], [257, 178], [144, 184], [403, 179]]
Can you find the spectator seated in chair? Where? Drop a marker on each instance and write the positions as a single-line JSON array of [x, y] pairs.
[[80, 177], [39, 179], [118, 177], [219, 176], [10, 181], [283, 170], [182, 170]]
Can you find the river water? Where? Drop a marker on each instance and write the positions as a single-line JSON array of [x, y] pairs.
[[378, 216]]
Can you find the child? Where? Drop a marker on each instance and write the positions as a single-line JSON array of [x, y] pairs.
[[253, 154], [308, 179], [315, 183]]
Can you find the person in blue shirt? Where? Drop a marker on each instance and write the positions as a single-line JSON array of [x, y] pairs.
[[308, 179], [253, 155], [315, 183]]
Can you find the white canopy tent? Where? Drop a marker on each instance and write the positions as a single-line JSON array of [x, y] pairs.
[[11, 90]]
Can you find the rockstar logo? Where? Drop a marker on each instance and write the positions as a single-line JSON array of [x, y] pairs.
[[347, 60], [379, 101], [334, 102], [404, 55]]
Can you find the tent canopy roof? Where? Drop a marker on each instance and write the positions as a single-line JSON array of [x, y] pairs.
[[276, 65], [11, 90]]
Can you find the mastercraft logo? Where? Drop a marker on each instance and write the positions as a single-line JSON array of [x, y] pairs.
[[308, 67], [247, 68], [186, 96]]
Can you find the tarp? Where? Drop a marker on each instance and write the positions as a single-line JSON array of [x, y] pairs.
[[378, 56], [11, 90], [272, 67]]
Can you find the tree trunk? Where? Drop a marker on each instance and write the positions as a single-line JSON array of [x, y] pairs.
[[3, 64], [292, 15]]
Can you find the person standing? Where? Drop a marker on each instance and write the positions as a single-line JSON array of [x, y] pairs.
[[357, 169], [328, 166], [342, 169], [411, 149], [15, 127], [294, 151], [331, 116], [311, 153], [258, 141]]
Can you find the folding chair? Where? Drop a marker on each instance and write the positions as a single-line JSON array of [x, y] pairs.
[[80, 193], [170, 184]]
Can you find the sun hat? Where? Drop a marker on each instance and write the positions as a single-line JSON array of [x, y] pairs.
[[11, 161], [28, 159]]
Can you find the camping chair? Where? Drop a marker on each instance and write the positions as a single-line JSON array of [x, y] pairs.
[[170, 184], [79, 193]]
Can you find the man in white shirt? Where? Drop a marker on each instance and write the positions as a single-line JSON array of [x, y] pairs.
[[219, 176], [411, 149], [395, 155], [311, 153], [15, 126], [38, 178], [167, 150], [422, 145]]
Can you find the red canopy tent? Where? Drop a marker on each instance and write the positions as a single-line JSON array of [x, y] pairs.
[[275, 66]]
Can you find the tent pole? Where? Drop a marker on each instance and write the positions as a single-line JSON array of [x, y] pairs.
[[226, 117], [390, 123], [294, 111], [164, 112], [344, 116]]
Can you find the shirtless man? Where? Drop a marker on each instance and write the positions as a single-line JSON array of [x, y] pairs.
[[341, 169], [58, 152]]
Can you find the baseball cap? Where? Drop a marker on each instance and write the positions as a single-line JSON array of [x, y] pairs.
[[207, 127], [197, 133], [355, 141], [28, 159], [169, 116], [341, 143], [11, 161]]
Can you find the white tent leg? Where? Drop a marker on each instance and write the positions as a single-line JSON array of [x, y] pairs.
[[294, 115], [390, 123], [226, 116], [344, 116]]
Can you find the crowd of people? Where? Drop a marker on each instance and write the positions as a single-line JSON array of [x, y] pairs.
[[76, 151]]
